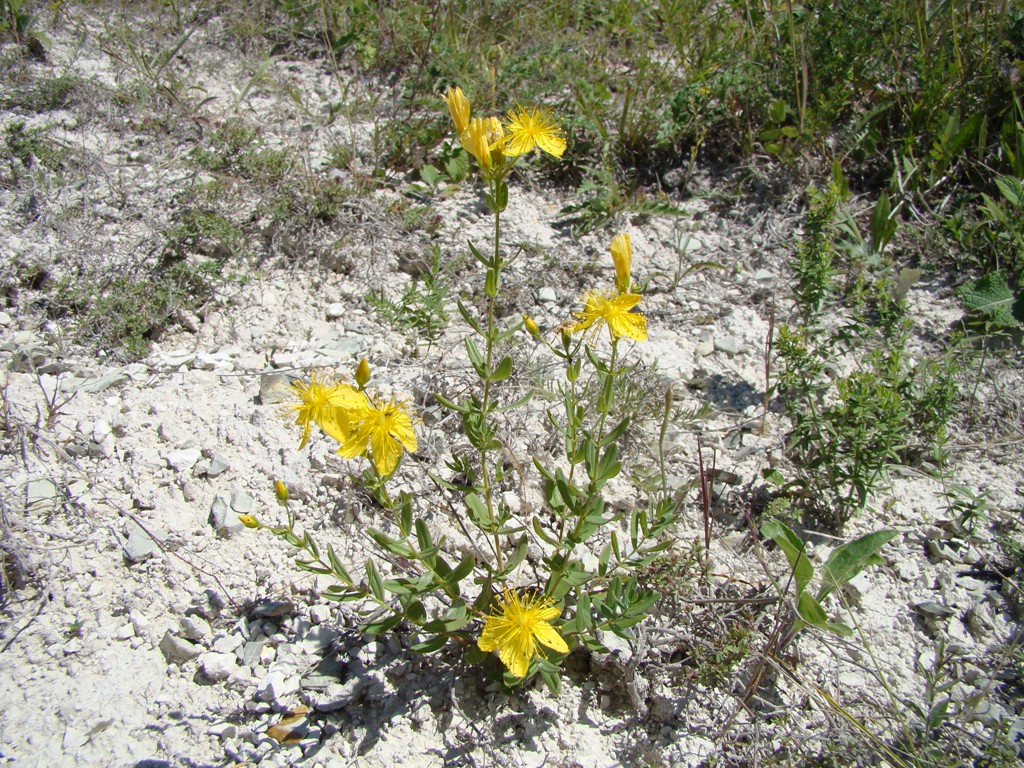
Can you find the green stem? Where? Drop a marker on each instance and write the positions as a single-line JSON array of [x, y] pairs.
[[485, 472]]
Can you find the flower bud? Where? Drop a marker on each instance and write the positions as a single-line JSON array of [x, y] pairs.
[[458, 106], [531, 326], [362, 373], [622, 256], [249, 521], [281, 491]]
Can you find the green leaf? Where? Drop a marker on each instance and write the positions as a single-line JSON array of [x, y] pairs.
[[777, 111], [451, 405], [461, 571], [476, 358], [810, 610], [423, 537], [1011, 189], [470, 321], [990, 296], [615, 433], [479, 256], [457, 165], [381, 626], [429, 646], [478, 512], [375, 581], [430, 174], [394, 546], [503, 371], [491, 282], [790, 543], [848, 560]]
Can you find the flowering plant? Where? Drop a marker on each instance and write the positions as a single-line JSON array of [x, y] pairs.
[[532, 612]]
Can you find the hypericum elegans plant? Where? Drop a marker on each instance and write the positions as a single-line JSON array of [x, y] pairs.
[[491, 599]]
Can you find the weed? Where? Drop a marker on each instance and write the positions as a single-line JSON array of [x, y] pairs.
[[43, 95], [421, 308], [125, 313], [238, 150]]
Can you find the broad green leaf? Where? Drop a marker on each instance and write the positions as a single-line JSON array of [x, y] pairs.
[[503, 371], [991, 297], [848, 560], [789, 543], [810, 611]]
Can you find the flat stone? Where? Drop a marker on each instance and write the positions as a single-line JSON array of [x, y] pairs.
[[223, 518], [728, 344], [184, 459], [143, 543], [339, 695], [547, 295], [276, 388], [177, 650], [195, 628], [764, 275], [41, 494], [336, 310], [241, 502], [218, 465]]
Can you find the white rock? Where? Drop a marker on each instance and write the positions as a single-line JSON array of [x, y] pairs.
[[184, 459], [195, 628], [336, 310], [218, 666], [178, 650]]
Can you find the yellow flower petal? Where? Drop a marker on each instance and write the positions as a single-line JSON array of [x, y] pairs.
[[622, 256], [546, 635], [475, 141], [458, 107]]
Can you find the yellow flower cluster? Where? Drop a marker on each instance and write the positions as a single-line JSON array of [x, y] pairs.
[[362, 424], [494, 143], [613, 307]]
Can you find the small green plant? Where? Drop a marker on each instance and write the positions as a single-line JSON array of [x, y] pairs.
[[236, 149], [422, 308]]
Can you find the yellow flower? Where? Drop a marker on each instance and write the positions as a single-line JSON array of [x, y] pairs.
[[529, 128], [516, 627], [382, 428], [622, 255], [458, 106], [475, 140], [613, 309], [249, 521], [319, 403]]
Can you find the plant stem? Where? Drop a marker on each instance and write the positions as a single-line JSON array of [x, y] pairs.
[[485, 472]]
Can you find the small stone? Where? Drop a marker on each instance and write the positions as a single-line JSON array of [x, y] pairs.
[[218, 666], [764, 276], [5, 319], [929, 609], [241, 502], [336, 310], [906, 569], [41, 494], [218, 465], [939, 552], [276, 388], [250, 653], [281, 681], [125, 632], [143, 543], [547, 295], [184, 459], [320, 613], [339, 695], [223, 518], [72, 646], [227, 644], [728, 344], [223, 730], [195, 628], [177, 649]]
